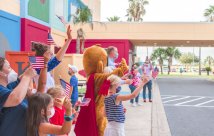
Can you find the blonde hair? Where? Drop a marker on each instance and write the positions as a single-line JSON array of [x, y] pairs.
[[113, 80], [54, 91]]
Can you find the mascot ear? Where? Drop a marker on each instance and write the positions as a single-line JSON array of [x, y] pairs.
[[100, 67]]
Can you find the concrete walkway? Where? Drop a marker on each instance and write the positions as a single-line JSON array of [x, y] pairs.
[[146, 120]]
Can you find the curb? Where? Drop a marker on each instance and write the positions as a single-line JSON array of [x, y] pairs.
[[160, 126]]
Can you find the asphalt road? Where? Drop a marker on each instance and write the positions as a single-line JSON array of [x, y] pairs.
[[189, 105]]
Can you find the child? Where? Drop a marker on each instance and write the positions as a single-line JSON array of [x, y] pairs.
[[114, 107], [74, 84], [136, 78], [58, 95], [40, 110]]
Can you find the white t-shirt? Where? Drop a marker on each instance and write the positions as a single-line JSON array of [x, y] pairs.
[[50, 81]]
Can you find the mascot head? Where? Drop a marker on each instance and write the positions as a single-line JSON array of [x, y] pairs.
[[94, 59]]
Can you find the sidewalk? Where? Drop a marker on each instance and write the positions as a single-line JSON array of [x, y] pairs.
[[146, 120]]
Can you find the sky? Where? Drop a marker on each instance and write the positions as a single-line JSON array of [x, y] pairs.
[[162, 11]]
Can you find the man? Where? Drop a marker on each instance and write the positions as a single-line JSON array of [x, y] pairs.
[[112, 56], [147, 69]]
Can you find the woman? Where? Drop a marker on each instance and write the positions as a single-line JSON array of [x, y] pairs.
[[40, 49], [12, 104]]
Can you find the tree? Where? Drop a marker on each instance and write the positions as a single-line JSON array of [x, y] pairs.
[[160, 55], [209, 60], [113, 19], [208, 69], [187, 58], [209, 13], [172, 53], [136, 10], [83, 15]]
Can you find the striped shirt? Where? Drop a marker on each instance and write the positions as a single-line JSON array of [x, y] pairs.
[[114, 112]]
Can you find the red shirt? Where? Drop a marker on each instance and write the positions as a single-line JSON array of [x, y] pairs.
[[58, 118]]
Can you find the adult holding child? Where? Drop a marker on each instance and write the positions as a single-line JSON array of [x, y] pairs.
[[147, 69]]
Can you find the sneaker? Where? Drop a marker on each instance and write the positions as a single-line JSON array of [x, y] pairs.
[[150, 100], [133, 104], [144, 100], [139, 104]]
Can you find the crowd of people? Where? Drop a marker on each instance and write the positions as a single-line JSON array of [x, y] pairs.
[[31, 104]]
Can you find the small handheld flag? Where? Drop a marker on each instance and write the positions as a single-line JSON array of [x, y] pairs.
[[37, 62], [50, 40], [66, 86], [61, 18], [84, 102]]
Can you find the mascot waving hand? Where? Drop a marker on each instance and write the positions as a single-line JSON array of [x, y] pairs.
[[91, 120]]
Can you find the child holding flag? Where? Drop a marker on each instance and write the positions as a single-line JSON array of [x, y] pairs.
[[114, 108]]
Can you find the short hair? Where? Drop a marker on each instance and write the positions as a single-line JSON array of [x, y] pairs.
[[109, 49], [2, 61], [39, 48]]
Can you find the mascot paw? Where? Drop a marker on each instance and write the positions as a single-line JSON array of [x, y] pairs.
[[123, 66]]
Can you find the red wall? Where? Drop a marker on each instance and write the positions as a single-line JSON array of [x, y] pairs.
[[32, 31], [123, 46]]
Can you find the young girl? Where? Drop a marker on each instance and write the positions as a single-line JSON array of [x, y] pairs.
[[58, 95], [40, 110], [114, 107]]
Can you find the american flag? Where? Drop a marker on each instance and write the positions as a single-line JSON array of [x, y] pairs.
[[61, 18], [66, 86], [50, 40], [85, 102], [36, 62]]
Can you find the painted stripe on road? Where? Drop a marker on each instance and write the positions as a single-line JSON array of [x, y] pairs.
[[189, 101], [191, 96], [204, 103], [171, 105], [176, 99], [168, 97]]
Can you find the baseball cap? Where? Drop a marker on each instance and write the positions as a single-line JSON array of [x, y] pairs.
[[74, 68]]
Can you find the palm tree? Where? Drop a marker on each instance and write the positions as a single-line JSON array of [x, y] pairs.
[[172, 52], [209, 60], [83, 15], [209, 13], [113, 19], [160, 55], [136, 10]]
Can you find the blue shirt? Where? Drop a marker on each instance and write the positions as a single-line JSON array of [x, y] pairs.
[[111, 62], [74, 84], [52, 63], [114, 112], [12, 119]]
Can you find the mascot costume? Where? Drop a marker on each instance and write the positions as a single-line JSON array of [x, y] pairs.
[[91, 120]]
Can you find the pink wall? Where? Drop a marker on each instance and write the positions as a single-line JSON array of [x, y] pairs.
[[123, 46], [32, 31]]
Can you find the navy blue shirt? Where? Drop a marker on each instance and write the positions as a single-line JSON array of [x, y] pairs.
[[12, 119], [74, 84]]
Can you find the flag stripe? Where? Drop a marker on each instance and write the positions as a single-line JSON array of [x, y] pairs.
[[66, 87]]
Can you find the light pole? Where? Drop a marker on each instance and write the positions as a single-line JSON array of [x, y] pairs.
[[199, 60], [193, 60]]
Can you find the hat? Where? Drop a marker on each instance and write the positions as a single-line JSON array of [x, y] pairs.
[[74, 68]]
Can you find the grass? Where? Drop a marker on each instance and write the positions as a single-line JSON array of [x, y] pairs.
[[187, 74]]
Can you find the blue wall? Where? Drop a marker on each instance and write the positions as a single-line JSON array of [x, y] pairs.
[[9, 32]]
